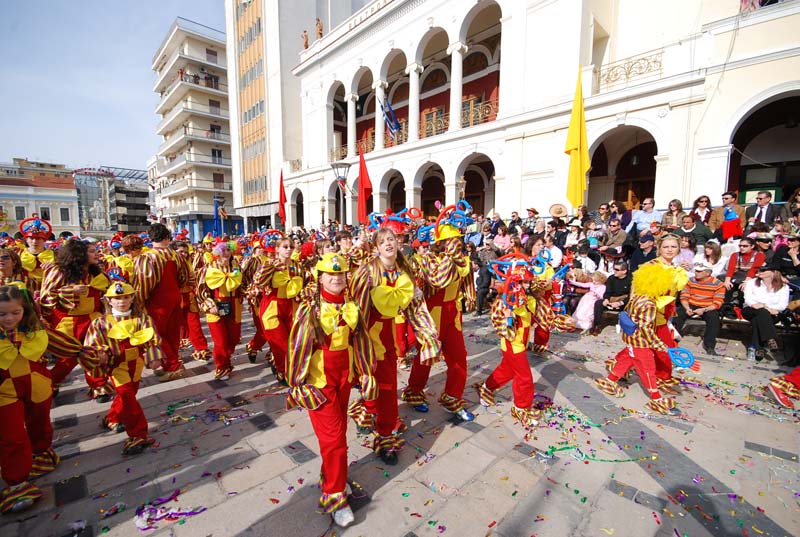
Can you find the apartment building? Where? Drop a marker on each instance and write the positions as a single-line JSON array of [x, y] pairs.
[[681, 100], [192, 172], [44, 188]]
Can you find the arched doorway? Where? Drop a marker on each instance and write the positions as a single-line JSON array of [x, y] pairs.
[[477, 173], [337, 121], [365, 110], [481, 64], [623, 167], [298, 217], [766, 150], [432, 191], [397, 193]]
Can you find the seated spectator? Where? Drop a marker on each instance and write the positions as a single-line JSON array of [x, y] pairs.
[[764, 246], [619, 212], [788, 258], [572, 291], [673, 218], [556, 255], [702, 298], [765, 297], [689, 226], [583, 214], [496, 223], [642, 218], [794, 222], [552, 229], [743, 265], [532, 219], [792, 203], [613, 240], [502, 240], [616, 296], [763, 211], [582, 256], [583, 316], [593, 234], [644, 253], [602, 217], [574, 235], [515, 224], [701, 210], [516, 245], [712, 254], [685, 257], [717, 217]]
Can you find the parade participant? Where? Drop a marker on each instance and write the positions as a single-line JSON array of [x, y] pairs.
[[71, 291], [203, 256], [34, 257], [448, 279], [220, 292], [653, 285], [26, 393], [124, 341], [329, 349], [261, 251], [11, 271], [191, 329], [786, 387], [132, 247], [158, 277], [512, 318], [384, 287], [281, 279]]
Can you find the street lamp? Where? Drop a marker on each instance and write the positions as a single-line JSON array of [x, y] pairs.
[[340, 170], [322, 202], [462, 187]]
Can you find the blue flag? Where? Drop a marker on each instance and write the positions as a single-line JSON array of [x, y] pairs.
[[391, 119]]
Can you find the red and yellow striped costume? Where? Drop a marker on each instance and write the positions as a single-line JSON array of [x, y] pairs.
[[282, 283], [385, 294], [447, 280], [663, 329], [222, 283], [34, 265], [70, 314], [130, 343], [325, 358], [158, 277], [250, 268], [190, 316]]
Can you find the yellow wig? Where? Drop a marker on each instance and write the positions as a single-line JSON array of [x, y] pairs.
[[656, 279]]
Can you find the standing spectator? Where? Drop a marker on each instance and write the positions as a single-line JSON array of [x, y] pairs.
[[673, 218], [496, 223], [701, 299], [644, 253], [532, 219], [690, 226], [644, 217], [619, 212], [763, 211], [701, 209], [765, 296], [712, 254], [515, 224], [718, 215], [792, 203], [618, 292]]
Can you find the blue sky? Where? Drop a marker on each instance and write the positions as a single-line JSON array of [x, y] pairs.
[[77, 84]]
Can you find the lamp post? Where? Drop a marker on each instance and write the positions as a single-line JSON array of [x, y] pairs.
[[462, 187], [340, 170], [322, 202]]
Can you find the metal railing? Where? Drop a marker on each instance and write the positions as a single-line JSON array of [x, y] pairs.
[[477, 113], [645, 65], [338, 153], [192, 106], [196, 133], [434, 125], [201, 80]]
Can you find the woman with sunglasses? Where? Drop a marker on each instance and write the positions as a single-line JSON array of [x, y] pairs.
[[619, 212], [792, 203], [701, 209]]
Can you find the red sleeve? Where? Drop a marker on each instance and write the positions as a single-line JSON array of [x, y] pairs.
[[757, 263], [731, 265]]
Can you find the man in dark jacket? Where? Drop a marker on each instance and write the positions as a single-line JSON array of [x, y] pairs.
[[644, 253]]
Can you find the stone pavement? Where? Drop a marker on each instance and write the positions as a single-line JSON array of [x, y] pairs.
[[597, 467]]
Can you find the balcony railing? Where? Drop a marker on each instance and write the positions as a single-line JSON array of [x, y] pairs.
[[196, 184], [194, 158], [198, 134], [434, 125], [338, 153], [621, 72], [202, 80], [478, 113], [192, 106], [400, 137]]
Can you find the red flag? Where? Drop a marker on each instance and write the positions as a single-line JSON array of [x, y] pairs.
[[364, 190], [282, 203]]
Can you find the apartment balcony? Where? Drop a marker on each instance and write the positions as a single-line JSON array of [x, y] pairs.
[[190, 134], [185, 209], [181, 85], [187, 160], [182, 186], [182, 60], [184, 110]]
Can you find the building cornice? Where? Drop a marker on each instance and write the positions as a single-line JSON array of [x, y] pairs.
[[750, 18]]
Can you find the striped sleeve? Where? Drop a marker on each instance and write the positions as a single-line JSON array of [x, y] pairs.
[[360, 286], [497, 312], [643, 312], [439, 271], [424, 329], [298, 362], [147, 271], [55, 291], [152, 352], [263, 276]]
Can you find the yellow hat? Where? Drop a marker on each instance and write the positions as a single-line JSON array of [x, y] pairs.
[[446, 231], [332, 262], [207, 239], [117, 289]]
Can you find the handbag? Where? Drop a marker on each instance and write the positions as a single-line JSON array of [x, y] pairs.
[[627, 324], [224, 308]]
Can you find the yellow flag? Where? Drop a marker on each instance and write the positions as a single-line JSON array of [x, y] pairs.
[[578, 149]]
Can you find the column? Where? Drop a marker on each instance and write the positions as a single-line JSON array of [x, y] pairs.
[[351, 98], [512, 66], [413, 71], [414, 197], [380, 96], [456, 51], [450, 191], [244, 223]]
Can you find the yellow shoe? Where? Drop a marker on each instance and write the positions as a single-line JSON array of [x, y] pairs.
[[173, 375]]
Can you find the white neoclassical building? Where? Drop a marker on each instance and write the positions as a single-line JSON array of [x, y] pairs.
[[682, 98]]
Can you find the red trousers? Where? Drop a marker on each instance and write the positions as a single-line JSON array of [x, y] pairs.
[[259, 339], [65, 363], [278, 336], [164, 306], [226, 334], [455, 356], [385, 405], [514, 367], [192, 328], [663, 361], [330, 422], [25, 428], [644, 360], [794, 377], [540, 336], [405, 338], [126, 409]]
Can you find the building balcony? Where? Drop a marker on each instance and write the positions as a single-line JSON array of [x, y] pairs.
[[184, 209], [182, 186], [190, 134], [186, 109], [181, 85], [632, 70], [188, 160]]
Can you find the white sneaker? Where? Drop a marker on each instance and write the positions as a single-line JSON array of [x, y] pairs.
[[344, 517]]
